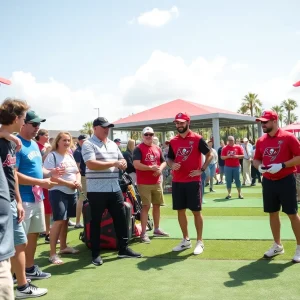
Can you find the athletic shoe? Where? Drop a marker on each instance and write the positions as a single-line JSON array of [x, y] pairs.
[[79, 225], [211, 190], [184, 244], [207, 184], [97, 261], [199, 248], [128, 253], [71, 223], [47, 239], [31, 291], [37, 274], [145, 239], [274, 250], [15, 279], [160, 233], [221, 182], [296, 258], [42, 234]]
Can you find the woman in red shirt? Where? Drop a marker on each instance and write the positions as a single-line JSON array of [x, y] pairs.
[[232, 154]]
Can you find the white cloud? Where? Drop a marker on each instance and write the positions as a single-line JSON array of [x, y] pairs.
[[298, 32], [156, 17], [162, 78], [239, 66]]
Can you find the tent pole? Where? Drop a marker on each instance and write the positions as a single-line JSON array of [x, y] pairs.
[[216, 133]]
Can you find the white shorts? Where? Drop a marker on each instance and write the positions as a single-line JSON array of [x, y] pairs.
[[34, 221]]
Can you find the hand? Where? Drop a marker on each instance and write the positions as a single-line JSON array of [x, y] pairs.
[[14, 139], [195, 173], [57, 172], [157, 173], [78, 185], [274, 168], [176, 166], [154, 168], [261, 170], [47, 183], [20, 212], [121, 164]]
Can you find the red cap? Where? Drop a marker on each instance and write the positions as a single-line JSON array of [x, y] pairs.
[[267, 115], [182, 117]]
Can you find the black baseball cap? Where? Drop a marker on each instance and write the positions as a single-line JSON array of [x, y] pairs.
[[117, 140], [102, 122], [82, 137], [32, 117]]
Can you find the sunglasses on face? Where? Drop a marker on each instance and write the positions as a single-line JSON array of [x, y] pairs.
[[34, 124], [148, 134]]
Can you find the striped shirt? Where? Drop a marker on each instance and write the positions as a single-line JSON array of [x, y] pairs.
[[101, 180]]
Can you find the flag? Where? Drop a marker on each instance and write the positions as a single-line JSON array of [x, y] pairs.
[[296, 84]]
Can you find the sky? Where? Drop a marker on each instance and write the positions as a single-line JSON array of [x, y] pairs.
[[66, 58]]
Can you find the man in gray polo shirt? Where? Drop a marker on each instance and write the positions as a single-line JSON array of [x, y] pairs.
[[103, 161]]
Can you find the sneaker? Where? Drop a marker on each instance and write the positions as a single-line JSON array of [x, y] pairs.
[[211, 190], [97, 261], [128, 253], [37, 274], [160, 233], [296, 258], [47, 239], [184, 244], [206, 184], [71, 223], [15, 279], [221, 182], [79, 226], [199, 248], [42, 234], [31, 291], [145, 239], [274, 250]]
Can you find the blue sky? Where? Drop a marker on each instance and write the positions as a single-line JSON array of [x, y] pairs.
[[91, 47]]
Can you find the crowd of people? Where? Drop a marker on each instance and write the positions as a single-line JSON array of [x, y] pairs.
[[40, 181]]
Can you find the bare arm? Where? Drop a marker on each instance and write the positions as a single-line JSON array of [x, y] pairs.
[[208, 158], [100, 165]]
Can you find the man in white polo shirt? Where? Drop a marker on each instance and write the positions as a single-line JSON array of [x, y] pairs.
[[103, 161]]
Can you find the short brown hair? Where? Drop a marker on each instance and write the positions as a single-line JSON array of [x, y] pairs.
[[10, 109], [41, 132]]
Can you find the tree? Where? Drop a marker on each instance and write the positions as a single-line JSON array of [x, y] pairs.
[[279, 110], [293, 119], [289, 105], [87, 128], [252, 106]]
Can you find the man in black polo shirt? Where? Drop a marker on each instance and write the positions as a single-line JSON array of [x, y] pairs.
[[81, 165]]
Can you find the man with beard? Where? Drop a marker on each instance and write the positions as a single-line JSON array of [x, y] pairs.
[[184, 158], [277, 154]]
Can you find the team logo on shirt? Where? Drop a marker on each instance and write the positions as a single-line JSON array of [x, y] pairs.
[[150, 157], [184, 152], [272, 152], [9, 161], [231, 153]]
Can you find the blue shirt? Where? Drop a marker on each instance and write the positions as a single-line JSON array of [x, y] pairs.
[[29, 162]]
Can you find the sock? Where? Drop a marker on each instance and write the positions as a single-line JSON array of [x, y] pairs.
[[23, 287], [30, 270]]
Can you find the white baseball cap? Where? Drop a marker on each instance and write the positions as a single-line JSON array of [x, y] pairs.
[[148, 130], [245, 139]]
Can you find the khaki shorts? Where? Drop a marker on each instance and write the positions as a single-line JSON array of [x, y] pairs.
[[34, 221], [151, 193], [6, 283], [83, 182], [297, 175]]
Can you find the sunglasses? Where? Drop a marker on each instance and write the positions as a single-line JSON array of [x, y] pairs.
[[34, 124], [148, 134]]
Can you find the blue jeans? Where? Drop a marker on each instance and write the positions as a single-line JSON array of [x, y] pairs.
[[230, 174]]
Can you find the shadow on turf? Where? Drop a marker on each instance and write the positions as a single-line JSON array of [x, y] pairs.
[[261, 269], [157, 262]]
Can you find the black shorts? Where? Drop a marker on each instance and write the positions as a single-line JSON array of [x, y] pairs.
[[280, 193], [63, 205], [187, 195]]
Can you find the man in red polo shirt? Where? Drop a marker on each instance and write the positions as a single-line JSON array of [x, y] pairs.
[[149, 163], [184, 158], [276, 156]]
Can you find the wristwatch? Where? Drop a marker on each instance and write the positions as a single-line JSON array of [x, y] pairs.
[[202, 169], [283, 165]]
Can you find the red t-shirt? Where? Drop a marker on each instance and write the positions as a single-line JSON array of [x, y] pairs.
[[187, 151], [298, 169], [280, 148], [231, 151], [148, 155]]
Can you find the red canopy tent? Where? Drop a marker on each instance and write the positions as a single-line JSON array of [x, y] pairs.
[[295, 127], [5, 81], [297, 84]]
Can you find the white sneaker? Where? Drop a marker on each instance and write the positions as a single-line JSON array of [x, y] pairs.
[[296, 258], [274, 250], [31, 291], [199, 248], [184, 244]]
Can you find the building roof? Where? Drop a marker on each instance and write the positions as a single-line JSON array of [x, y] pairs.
[[161, 117]]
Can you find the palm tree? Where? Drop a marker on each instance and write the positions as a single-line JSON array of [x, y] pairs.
[[293, 119], [289, 105], [87, 128], [279, 110], [252, 106]]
